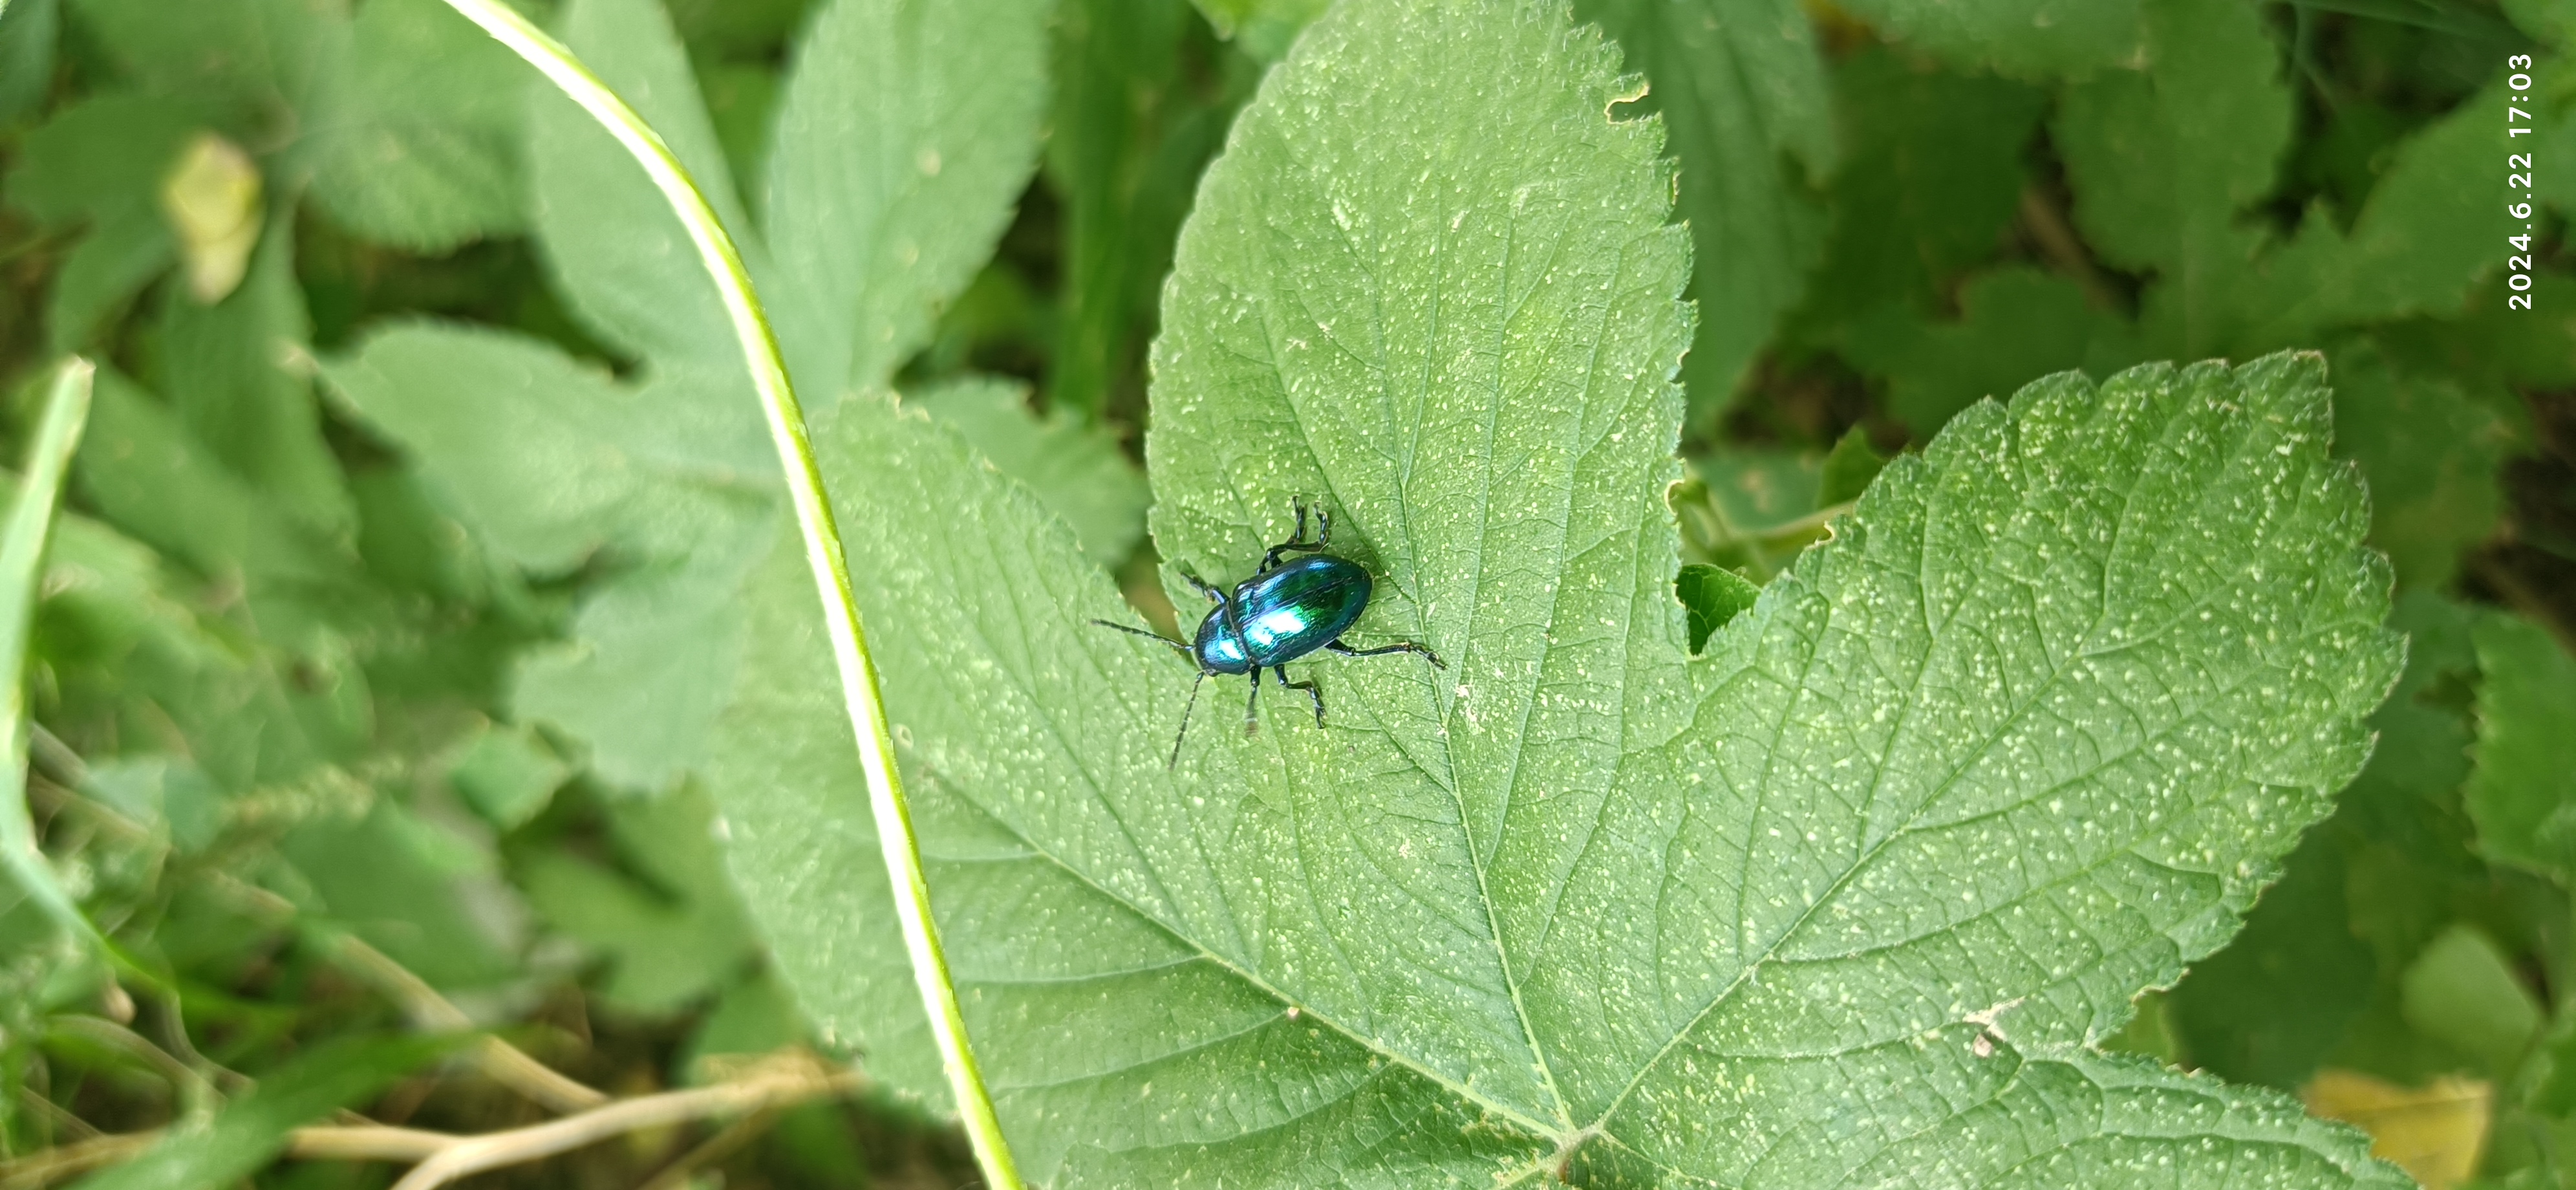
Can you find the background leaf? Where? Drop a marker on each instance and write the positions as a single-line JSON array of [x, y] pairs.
[[620, 256], [1931, 170], [1742, 92], [2028, 38], [101, 162], [419, 138], [905, 131], [1077, 472], [1127, 139], [28, 29], [671, 932], [1714, 597], [2525, 810], [556, 465], [675, 502], [1265, 27], [2433, 453], [2153, 191], [241, 63], [240, 377]]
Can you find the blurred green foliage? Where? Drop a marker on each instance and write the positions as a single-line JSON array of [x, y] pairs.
[[396, 599]]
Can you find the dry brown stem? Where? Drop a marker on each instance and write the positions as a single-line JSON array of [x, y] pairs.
[[443, 1158]]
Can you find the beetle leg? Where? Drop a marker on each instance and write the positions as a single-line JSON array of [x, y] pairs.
[[1252, 707], [1184, 732], [1400, 647], [1281, 672], [1204, 587], [1270, 561]]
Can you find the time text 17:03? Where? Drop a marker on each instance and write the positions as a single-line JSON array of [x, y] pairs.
[[2518, 124]]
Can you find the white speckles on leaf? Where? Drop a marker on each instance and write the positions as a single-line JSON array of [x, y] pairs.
[[2016, 737]]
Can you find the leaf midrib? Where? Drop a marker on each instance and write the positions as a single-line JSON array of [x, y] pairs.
[[1477, 860], [1476, 857]]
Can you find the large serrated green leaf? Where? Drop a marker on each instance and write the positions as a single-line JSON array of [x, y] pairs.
[[2314, 977], [784, 772], [1845, 900]]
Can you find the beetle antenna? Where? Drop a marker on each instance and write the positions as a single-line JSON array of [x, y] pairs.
[[1186, 708], [1156, 637]]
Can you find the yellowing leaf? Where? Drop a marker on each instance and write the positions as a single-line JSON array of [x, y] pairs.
[[2434, 1131], [212, 201]]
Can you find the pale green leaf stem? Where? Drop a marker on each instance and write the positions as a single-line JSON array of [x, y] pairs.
[[22, 549], [824, 557]]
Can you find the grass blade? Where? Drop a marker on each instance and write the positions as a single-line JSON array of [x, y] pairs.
[[22, 551], [823, 553]]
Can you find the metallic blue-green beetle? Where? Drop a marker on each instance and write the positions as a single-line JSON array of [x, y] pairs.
[[1282, 613]]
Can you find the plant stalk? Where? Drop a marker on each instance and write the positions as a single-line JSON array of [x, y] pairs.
[[22, 555], [823, 554]]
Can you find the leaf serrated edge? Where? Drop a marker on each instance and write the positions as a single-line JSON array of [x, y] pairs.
[[822, 539]]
